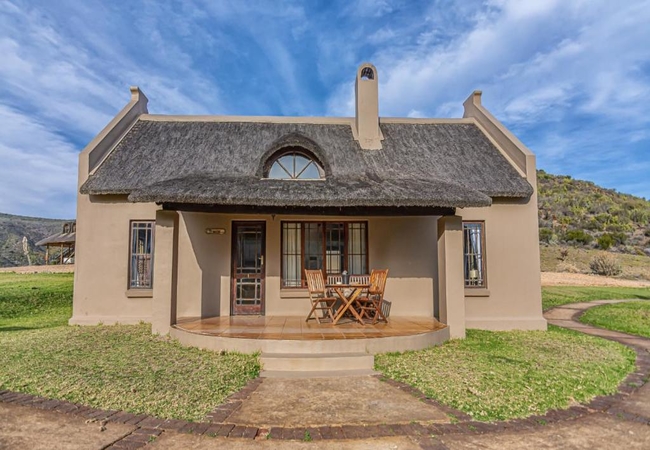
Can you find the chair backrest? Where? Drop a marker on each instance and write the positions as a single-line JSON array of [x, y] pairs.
[[315, 281], [334, 279], [359, 279], [378, 281]]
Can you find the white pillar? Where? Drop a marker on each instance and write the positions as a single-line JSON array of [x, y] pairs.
[[451, 283], [165, 271]]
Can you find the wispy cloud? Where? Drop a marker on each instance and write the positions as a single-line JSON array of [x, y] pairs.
[[571, 78]]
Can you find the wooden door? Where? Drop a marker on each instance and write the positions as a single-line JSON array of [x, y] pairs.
[[247, 274]]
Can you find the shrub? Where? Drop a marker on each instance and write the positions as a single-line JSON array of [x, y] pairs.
[[619, 238], [567, 267], [564, 253], [578, 236], [546, 235], [605, 241], [605, 264]]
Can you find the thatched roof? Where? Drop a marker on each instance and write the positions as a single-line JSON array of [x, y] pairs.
[[59, 238], [203, 162]]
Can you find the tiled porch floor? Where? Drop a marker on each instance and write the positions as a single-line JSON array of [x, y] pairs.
[[295, 328]]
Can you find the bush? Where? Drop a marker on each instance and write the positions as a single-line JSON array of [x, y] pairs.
[[619, 238], [578, 236], [605, 241], [546, 235], [605, 264], [567, 267]]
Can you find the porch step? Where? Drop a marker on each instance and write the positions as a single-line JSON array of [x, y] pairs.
[[316, 362], [317, 373]]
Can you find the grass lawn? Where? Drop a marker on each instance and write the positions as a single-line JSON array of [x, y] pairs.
[[111, 367], [504, 375], [632, 317], [553, 296]]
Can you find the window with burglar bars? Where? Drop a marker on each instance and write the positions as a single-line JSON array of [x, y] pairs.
[[141, 260], [474, 254], [328, 246]]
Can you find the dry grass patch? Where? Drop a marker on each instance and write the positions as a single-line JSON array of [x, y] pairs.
[[635, 267]]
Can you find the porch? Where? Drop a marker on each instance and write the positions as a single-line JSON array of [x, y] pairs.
[[292, 334], [229, 273]]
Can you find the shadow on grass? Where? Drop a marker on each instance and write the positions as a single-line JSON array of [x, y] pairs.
[[19, 328]]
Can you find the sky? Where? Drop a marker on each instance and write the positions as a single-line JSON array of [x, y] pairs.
[[571, 78]]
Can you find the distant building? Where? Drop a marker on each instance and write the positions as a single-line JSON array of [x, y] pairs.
[[60, 247]]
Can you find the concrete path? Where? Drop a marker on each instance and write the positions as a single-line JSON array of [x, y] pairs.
[[22, 427], [621, 421], [318, 402]]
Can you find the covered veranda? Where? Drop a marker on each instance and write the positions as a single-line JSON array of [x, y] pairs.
[[419, 318]]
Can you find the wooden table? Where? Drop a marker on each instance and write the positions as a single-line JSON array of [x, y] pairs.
[[348, 300]]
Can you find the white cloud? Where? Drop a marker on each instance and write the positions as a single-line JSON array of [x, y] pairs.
[[38, 169]]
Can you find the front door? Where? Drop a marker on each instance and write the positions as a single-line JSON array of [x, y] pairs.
[[247, 286]]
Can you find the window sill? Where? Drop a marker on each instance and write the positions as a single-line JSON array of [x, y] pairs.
[[477, 292], [139, 293], [294, 293]]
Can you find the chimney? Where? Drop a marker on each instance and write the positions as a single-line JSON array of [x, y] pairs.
[[366, 122]]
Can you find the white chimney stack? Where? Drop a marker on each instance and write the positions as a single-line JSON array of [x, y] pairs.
[[366, 122]]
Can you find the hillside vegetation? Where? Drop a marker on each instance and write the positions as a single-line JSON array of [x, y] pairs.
[[582, 214], [12, 231]]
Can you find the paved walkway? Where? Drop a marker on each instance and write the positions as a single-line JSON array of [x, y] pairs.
[[290, 413]]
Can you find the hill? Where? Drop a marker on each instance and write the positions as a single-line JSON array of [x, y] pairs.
[[582, 214], [12, 231]]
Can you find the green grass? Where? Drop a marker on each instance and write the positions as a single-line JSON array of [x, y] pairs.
[[41, 300], [505, 375], [110, 367], [553, 296], [629, 317]]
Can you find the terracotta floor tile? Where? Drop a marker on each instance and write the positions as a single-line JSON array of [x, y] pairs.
[[296, 328]]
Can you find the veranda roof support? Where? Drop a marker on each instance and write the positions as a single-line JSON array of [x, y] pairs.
[[451, 282], [165, 271]]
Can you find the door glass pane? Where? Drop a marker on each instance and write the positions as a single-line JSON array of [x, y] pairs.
[[248, 291], [249, 247]]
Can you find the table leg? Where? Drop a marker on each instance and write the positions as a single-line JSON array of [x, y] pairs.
[[348, 301]]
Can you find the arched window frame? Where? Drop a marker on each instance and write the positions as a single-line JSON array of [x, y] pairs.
[[291, 172]]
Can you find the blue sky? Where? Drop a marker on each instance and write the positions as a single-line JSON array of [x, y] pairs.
[[570, 78]]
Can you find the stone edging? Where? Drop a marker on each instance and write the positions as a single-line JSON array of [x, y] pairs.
[[148, 428]]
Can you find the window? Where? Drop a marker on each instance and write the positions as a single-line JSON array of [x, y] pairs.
[[474, 252], [141, 255], [295, 165], [328, 246]]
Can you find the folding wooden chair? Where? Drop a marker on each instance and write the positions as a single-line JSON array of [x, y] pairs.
[[370, 305], [318, 295]]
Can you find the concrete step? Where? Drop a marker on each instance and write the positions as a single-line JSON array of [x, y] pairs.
[[316, 362], [317, 373]]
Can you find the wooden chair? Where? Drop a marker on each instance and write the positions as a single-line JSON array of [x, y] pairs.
[[320, 299], [370, 305]]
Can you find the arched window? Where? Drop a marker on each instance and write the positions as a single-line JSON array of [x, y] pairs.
[[294, 164]]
